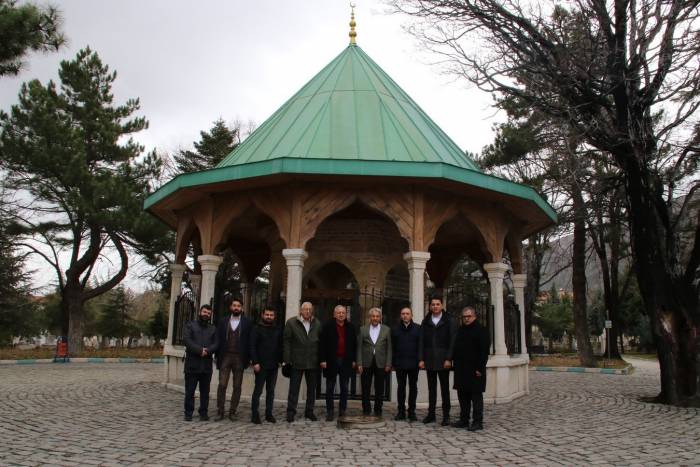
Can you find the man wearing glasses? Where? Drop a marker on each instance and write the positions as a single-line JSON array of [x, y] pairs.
[[471, 352]]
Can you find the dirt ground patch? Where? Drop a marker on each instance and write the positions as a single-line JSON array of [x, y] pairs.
[[9, 353], [573, 361]]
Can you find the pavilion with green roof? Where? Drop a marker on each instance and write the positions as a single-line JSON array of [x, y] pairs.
[[349, 186]]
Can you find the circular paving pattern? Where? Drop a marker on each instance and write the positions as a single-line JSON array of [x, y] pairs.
[[120, 414]]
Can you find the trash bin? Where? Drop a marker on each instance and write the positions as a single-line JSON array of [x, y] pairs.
[[61, 349]]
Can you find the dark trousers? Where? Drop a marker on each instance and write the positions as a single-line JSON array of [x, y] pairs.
[[311, 377], [444, 376], [267, 378], [343, 374], [401, 376], [191, 382], [231, 365], [469, 399], [378, 374]]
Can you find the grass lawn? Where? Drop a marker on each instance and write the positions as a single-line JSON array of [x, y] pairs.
[[8, 353], [572, 360]]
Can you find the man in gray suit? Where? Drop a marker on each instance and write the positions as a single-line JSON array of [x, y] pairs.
[[374, 359]]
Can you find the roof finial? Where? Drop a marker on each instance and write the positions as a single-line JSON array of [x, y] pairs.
[[352, 34]]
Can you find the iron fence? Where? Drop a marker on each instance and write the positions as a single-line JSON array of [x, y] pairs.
[[185, 310]]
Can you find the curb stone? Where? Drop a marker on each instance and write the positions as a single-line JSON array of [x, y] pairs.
[[32, 361], [629, 369]]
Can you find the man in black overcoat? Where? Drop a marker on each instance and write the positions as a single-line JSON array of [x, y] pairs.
[[265, 356], [200, 344], [337, 356], [471, 352], [437, 336]]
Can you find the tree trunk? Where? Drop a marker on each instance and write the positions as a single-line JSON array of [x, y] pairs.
[[578, 281], [669, 296], [74, 304]]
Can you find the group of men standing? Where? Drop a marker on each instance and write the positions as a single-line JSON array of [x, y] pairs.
[[305, 347]]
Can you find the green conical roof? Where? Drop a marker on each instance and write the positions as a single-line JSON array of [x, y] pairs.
[[351, 110]]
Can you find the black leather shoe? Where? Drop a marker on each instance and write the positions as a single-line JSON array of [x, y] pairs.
[[412, 417], [188, 418], [270, 418], [219, 417], [429, 418], [256, 419], [329, 417], [310, 416], [476, 427], [290, 418], [377, 413], [445, 421], [204, 418], [400, 416], [460, 424], [232, 417], [341, 413]]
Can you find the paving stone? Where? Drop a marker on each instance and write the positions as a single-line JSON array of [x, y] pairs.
[[112, 415]]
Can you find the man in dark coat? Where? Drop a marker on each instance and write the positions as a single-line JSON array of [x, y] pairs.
[[471, 352], [437, 336], [233, 355], [200, 343], [266, 356], [405, 338], [337, 353]]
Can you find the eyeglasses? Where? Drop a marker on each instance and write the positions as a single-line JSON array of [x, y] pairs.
[[468, 317]]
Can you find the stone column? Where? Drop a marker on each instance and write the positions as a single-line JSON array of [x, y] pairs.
[[496, 272], [210, 266], [295, 258], [176, 271], [519, 282], [416, 261]]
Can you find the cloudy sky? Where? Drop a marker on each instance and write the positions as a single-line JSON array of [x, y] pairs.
[[193, 62]]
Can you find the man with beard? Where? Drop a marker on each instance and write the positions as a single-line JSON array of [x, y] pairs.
[[233, 355], [471, 352], [265, 355], [405, 337], [337, 353], [301, 336], [200, 343]]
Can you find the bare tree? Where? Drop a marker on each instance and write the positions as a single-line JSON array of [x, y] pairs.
[[625, 76]]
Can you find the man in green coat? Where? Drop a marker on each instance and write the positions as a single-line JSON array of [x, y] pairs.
[[301, 340]]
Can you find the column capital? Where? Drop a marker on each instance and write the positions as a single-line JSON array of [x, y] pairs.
[[417, 258], [177, 268], [496, 270], [210, 262], [519, 280], [295, 255]]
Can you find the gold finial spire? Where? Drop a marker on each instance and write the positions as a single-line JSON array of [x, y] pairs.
[[352, 34]]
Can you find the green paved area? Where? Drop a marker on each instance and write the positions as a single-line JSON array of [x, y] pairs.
[[114, 414]]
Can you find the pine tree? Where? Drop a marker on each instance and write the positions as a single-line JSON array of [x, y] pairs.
[[213, 146]]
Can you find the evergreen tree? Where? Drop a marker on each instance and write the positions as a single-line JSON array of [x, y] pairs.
[[213, 146], [25, 28], [18, 312], [69, 149], [113, 319]]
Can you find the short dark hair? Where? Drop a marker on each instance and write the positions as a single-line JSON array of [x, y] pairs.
[[205, 307], [269, 307], [230, 299], [436, 296]]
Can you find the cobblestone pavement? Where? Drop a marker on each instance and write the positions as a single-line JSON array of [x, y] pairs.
[[119, 414]]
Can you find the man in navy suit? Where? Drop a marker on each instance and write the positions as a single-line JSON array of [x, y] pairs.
[[233, 355]]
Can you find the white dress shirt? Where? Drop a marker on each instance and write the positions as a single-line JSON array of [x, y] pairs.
[[234, 323], [436, 319], [307, 325], [374, 333]]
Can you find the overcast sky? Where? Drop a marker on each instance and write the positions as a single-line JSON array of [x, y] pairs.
[[193, 62]]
